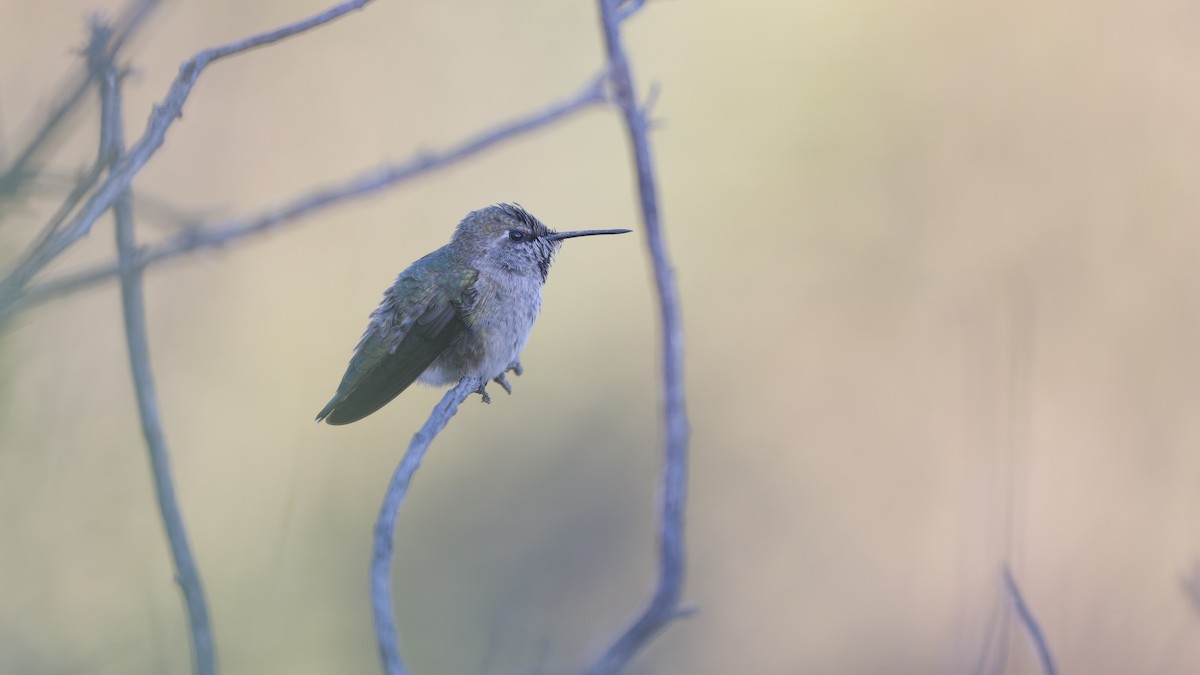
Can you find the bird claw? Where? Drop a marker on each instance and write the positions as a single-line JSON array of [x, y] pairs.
[[503, 382]]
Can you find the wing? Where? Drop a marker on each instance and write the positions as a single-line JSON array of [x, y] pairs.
[[421, 314]]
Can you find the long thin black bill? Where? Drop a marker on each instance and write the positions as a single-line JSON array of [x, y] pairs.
[[581, 233]]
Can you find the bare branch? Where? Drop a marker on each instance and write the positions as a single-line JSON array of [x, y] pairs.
[[187, 574], [98, 53], [84, 183], [1029, 622], [664, 604], [113, 192], [139, 153], [16, 175], [385, 526], [359, 186]]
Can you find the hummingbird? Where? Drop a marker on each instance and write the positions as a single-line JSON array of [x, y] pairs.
[[464, 310]]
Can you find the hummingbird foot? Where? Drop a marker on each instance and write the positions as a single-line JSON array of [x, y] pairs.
[[503, 382], [482, 391], [516, 369]]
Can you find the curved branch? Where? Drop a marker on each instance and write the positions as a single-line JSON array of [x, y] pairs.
[[672, 494], [385, 526], [1036, 636]]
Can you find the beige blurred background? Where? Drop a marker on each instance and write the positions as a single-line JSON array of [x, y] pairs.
[[940, 267]]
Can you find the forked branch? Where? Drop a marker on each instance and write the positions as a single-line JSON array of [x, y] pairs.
[[131, 162], [24, 165], [365, 184]]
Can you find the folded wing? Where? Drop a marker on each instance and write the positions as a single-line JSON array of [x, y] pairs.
[[404, 338]]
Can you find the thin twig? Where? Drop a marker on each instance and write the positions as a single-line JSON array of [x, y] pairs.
[[363, 185], [150, 210], [672, 494], [385, 526], [1036, 636], [86, 181], [187, 574], [139, 153], [98, 53], [127, 23]]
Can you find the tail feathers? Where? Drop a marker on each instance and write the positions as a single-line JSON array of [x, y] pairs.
[[372, 392]]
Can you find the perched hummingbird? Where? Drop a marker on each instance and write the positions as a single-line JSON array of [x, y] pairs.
[[464, 310]]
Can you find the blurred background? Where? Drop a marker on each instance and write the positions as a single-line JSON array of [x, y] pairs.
[[941, 279]]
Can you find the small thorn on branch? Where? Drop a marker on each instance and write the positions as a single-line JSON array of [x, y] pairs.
[[646, 111], [627, 9], [652, 96], [686, 611]]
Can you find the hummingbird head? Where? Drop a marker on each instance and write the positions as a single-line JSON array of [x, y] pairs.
[[511, 238]]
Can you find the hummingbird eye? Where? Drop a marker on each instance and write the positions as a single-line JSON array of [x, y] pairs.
[[516, 235]]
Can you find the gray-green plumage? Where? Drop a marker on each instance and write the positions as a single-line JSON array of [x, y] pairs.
[[464, 310]]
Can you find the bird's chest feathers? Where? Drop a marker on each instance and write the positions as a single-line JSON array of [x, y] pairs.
[[504, 308]]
